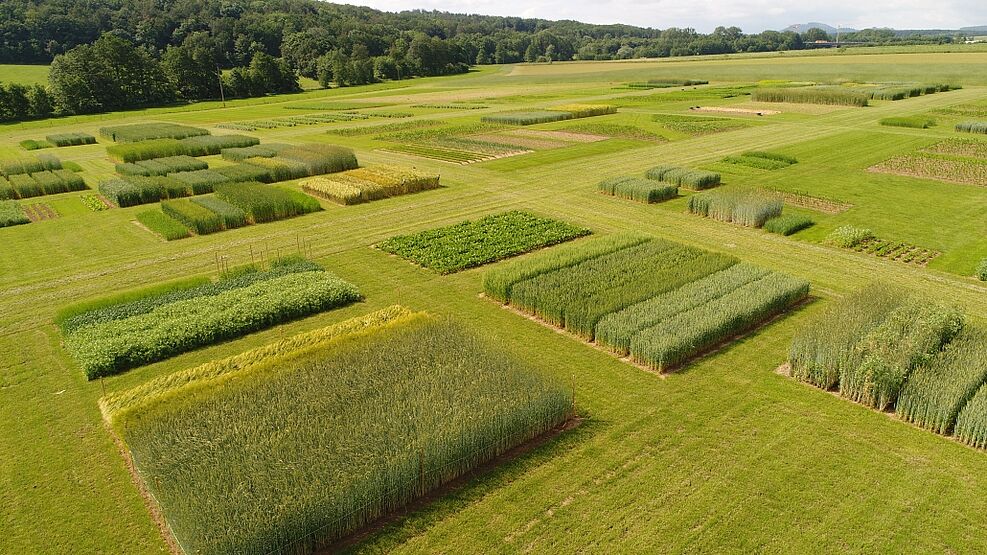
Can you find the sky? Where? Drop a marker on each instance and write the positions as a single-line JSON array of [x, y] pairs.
[[752, 16]]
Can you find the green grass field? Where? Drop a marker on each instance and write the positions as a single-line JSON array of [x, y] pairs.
[[725, 455]]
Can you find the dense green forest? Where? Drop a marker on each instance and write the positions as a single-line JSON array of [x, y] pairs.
[[114, 54]]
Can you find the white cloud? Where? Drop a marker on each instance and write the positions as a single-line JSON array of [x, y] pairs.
[[705, 15]]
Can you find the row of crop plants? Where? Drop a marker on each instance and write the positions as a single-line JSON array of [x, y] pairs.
[[473, 243], [369, 184], [659, 302], [326, 431], [952, 160], [233, 205], [845, 95], [33, 177], [59, 140], [114, 334], [295, 121], [898, 352], [143, 182], [553, 114]]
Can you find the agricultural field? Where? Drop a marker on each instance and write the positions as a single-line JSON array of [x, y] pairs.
[[653, 327]]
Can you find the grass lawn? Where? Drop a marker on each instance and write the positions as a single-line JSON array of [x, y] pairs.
[[723, 456]]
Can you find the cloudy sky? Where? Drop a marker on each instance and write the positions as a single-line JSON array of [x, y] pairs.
[[705, 15]]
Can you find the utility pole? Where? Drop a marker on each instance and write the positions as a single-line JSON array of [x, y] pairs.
[[222, 95]]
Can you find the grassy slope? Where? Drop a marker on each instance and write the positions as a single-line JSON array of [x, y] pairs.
[[726, 456]]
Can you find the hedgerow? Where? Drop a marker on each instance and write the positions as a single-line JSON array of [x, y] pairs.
[[392, 450], [474, 243], [745, 207], [695, 180], [114, 346], [145, 131], [788, 224], [265, 203], [70, 139], [937, 390], [196, 217], [164, 225], [909, 336], [639, 189], [11, 214]]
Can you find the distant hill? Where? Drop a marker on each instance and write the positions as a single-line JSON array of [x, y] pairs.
[[803, 27]]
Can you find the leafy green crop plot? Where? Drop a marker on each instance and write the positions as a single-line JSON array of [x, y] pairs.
[[474, 243]]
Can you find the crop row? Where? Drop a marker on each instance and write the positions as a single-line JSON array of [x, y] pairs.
[[972, 127], [114, 346], [665, 83], [659, 302], [915, 122], [558, 113], [204, 145], [889, 350], [162, 166], [368, 184], [746, 207], [863, 240], [762, 160], [474, 243], [637, 188], [440, 153], [379, 441], [146, 131], [266, 150], [811, 95], [698, 125], [969, 148], [43, 162], [292, 121], [695, 180], [51, 182]]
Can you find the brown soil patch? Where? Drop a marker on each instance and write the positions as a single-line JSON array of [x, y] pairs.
[[567, 136], [529, 143], [39, 211], [728, 110]]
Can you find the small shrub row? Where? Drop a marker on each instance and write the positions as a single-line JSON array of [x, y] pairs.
[[639, 189]]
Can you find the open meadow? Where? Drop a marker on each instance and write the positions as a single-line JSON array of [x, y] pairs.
[[556, 301]]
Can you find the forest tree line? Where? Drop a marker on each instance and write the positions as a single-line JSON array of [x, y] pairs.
[[116, 54]]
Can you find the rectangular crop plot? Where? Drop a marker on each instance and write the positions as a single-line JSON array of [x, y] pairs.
[[115, 337], [474, 243], [659, 302], [327, 431]]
